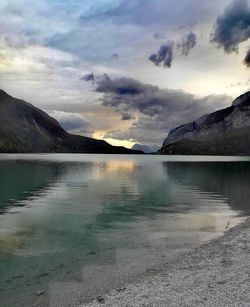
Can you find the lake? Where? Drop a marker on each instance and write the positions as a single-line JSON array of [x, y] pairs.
[[72, 226]]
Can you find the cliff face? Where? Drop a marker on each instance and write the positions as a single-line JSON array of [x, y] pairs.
[[224, 132], [25, 128]]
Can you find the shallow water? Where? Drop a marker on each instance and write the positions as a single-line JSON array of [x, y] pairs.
[[74, 225]]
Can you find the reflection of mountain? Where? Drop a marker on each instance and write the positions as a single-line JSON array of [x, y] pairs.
[[98, 209], [228, 180], [21, 180]]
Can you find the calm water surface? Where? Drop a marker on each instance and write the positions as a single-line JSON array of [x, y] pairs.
[[72, 226]]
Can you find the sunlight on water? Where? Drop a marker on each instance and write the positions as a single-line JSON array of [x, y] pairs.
[[87, 221]]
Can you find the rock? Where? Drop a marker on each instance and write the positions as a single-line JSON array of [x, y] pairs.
[[224, 132], [40, 292], [121, 289], [44, 274], [100, 299]]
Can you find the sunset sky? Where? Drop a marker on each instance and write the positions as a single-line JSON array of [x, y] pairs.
[[127, 71]]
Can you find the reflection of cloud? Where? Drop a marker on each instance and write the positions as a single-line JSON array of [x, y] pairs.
[[208, 223], [123, 167], [15, 241]]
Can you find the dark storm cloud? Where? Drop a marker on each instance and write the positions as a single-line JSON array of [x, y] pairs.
[[130, 94], [233, 26], [157, 110], [126, 116], [164, 55], [247, 59], [188, 42], [88, 77], [120, 86]]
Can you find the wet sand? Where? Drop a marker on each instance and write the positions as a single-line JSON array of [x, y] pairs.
[[215, 274]]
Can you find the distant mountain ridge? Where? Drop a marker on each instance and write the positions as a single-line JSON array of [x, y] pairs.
[[25, 129], [224, 132], [145, 148]]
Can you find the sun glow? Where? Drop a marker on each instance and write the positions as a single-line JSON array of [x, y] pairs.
[[100, 135], [125, 143]]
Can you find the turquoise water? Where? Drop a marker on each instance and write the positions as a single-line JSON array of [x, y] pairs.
[[83, 223]]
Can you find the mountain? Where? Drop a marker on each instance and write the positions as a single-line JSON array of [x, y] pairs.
[[224, 132], [146, 148], [25, 128]]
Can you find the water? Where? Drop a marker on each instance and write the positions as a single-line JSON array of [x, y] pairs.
[[74, 225]]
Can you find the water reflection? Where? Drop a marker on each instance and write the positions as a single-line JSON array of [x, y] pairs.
[[230, 181], [22, 179], [78, 217]]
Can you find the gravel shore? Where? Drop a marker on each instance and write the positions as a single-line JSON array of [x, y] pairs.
[[215, 274]]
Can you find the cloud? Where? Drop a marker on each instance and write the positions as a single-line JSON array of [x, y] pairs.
[[83, 36], [126, 116], [120, 86], [188, 43], [89, 76], [156, 110], [231, 85], [96, 27], [164, 55], [247, 59], [158, 35], [233, 26], [114, 56], [147, 12], [71, 122]]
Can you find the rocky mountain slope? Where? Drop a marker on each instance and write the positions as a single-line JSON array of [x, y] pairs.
[[25, 128], [224, 132]]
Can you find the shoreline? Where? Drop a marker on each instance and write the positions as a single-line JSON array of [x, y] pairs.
[[217, 273]]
